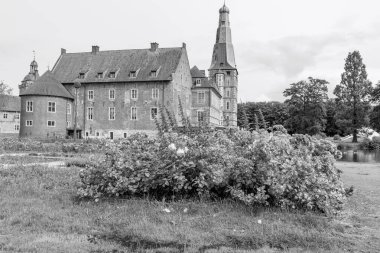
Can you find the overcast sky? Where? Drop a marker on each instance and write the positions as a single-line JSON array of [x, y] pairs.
[[276, 42]]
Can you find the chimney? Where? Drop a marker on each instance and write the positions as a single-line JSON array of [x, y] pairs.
[[153, 46], [63, 51], [95, 49], [183, 45]]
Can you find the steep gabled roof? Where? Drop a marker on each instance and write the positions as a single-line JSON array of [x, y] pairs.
[[47, 85], [196, 73], [163, 60], [10, 103]]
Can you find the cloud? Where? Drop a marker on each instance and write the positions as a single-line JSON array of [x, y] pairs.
[[289, 56]]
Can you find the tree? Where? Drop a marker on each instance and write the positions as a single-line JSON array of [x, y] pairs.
[[331, 126], [375, 118], [353, 95], [306, 106], [5, 89], [275, 113]]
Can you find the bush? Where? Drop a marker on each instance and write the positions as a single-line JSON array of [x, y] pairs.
[[337, 137], [368, 144], [66, 146], [274, 169]]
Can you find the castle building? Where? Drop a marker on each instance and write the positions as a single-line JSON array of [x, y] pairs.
[[111, 94], [9, 115]]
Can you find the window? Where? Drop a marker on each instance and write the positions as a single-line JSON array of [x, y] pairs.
[[97, 134], [133, 74], [125, 135], [200, 116], [51, 106], [228, 73], [86, 134], [81, 76], [68, 124], [51, 123], [17, 127], [228, 105], [29, 106], [220, 79], [153, 73], [112, 94], [134, 94], [223, 22], [29, 123], [17, 116], [111, 135], [155, 93], [5, 115], [90, 95], [198, 82], [228, 93], [111, 113], [112, 74], [153, 113], [99, 75], [133, 113], [201, 97], [228, 82], [90, 111], [68, 108]]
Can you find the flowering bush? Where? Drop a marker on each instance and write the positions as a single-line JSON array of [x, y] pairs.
[[273, 169]]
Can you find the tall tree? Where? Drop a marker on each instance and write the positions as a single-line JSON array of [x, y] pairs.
[[353, 95], [306, 106], [5, 89]]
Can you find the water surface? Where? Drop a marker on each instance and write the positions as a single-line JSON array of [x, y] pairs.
[[361, 156]]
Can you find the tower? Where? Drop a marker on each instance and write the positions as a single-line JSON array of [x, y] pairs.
[[31, 76], [223, 69]]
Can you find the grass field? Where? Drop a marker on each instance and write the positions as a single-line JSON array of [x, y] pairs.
[[39, 213]]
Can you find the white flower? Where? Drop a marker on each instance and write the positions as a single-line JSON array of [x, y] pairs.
[[180, 151], [259, 221], [186, 149], [172, 146]]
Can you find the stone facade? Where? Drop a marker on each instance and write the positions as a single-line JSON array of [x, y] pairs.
[[37, 121], [9, 116]]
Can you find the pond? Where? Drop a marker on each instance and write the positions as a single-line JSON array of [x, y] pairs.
[[361, 156]]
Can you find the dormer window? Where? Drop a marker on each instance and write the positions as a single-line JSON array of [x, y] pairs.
[[133, 74], [228, 73], [153, 73], [99, 75], [221, 64], [198, 82], [81, 75], [112, 74]]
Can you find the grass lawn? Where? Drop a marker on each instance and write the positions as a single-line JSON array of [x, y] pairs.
[[39, 213]]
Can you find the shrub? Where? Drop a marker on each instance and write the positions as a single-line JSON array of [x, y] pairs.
[[337, 137], [256, 167]]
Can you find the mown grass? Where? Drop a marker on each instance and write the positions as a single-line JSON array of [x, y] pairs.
[[39, 213]]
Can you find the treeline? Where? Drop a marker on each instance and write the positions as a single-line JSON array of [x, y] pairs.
[[308, 109]]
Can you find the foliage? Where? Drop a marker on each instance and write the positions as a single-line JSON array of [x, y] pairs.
[[5, 89], [375, 118], [353, 95], [332, 128], [306, 106], [274, 169], [65, 146], [275, 113], [368, 144]]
